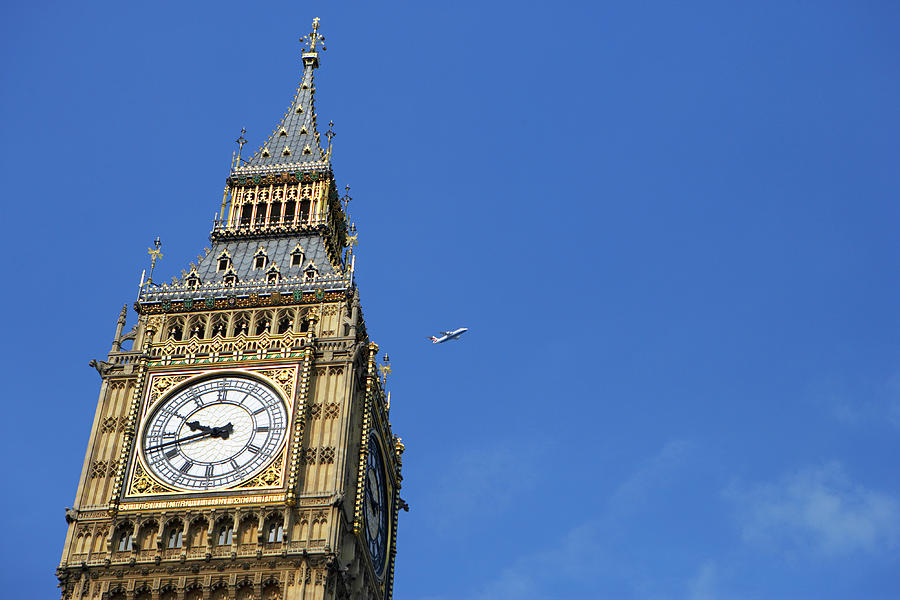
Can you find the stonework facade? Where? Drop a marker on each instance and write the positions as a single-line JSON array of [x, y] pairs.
[[241, 446]]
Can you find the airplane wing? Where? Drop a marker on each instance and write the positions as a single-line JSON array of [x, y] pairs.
[[446, 333]]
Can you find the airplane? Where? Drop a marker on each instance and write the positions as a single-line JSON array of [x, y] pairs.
[[446, 336]]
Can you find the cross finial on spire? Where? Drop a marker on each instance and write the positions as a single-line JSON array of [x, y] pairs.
[[313, 38], [240, 142], [347, 198], [155, 254]]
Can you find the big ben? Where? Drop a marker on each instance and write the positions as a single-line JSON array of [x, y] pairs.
[[241, 445]]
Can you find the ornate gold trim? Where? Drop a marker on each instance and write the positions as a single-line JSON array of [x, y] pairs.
[[141, 481]]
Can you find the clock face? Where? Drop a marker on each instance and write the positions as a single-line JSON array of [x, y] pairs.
[[376, 506], [214, 433]]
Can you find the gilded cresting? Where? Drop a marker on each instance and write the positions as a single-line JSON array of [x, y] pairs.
[[270, 309]]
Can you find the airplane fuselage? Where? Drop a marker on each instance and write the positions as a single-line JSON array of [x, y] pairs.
[[446, 336]]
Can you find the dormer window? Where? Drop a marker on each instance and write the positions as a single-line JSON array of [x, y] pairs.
[[260, 260], [193, 281], [273, 275], [297, 257], [230, 279], [310, 273], [223, 263]]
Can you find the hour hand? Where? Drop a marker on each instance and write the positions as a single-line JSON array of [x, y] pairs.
[[222, 432], [196, 426]]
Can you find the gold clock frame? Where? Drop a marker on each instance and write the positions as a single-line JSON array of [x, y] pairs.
[[142, 485]]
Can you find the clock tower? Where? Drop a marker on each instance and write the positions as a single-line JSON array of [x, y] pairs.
[[241, 445]]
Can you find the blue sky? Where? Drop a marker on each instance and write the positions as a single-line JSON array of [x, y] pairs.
[[670, 227]]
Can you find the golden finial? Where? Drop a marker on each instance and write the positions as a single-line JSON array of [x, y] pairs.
[[385, 369], [313, 38], [347, 198], [154, 253]]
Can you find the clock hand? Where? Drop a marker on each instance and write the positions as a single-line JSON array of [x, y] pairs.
[[184, 439], [222, 432], [195, 425], [216, 432]]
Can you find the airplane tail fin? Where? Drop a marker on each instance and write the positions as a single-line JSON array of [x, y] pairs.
[[433, 339]]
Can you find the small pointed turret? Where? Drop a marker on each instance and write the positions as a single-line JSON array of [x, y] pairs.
[[295, 141]]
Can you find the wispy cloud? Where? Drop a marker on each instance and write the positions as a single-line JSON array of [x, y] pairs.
[[860, 403], [588, 551], [479, 483], [703, 585], [817, 510]]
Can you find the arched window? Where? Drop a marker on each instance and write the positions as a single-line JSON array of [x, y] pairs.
[[174, 538], [275, 215], [117, 594], [263, 322], [194, 592], [124, 539], [285, 324], [289, 207], [142, 594], [197, 532], [226, 533], [219, 326], [271, 591], [219, 593], [241, 325], [304, 210], [274, 530], [147, 535], [246, 214], [168, 592], [175, 331], [247, 529]]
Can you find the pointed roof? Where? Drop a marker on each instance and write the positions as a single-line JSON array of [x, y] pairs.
[[295, 142]]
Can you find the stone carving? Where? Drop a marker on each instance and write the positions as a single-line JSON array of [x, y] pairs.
[[102, 366]]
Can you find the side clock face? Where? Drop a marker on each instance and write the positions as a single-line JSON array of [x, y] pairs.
[[377, 506], [215, 433]]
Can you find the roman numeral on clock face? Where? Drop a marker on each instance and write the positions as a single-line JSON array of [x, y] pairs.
[[186, 467], [209, 470], [254, 449]]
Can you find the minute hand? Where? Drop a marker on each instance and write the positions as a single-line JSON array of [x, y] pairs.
[[184, 439]]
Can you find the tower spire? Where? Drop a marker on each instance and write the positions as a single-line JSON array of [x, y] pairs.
[[296, 140]]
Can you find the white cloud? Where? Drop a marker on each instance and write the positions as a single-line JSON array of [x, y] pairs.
[[818, 510]]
